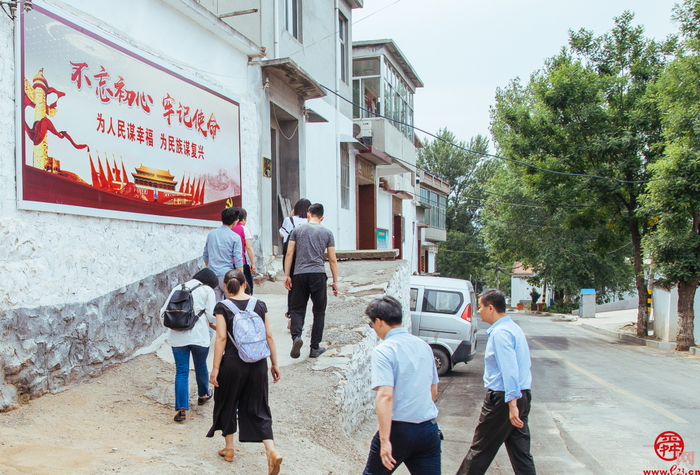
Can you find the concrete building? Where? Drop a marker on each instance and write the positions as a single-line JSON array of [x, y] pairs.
[[431, 212], [384, 83], [125, 129], [92, 94], [307, 142], [520, 288]]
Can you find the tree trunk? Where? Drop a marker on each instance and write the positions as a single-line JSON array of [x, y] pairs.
[[686, 315], [639, 281]]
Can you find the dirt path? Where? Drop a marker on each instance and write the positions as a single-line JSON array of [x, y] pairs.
[[122, 421], [114, 424]]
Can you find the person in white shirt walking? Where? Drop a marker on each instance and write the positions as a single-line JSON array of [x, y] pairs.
[[508, 380], [195, 341], [406, 381]]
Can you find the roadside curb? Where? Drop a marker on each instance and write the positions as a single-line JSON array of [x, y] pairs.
[[662, 345]]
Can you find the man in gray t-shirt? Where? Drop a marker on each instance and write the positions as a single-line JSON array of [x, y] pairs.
[[309, 241]]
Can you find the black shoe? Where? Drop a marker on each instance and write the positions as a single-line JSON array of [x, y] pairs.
[[180, 416], [296, 347], [203, 399], [315, 353]]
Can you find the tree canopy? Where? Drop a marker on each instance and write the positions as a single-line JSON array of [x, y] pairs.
[[588, 112]]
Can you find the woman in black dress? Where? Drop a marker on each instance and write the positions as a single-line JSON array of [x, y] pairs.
[[242, 385]]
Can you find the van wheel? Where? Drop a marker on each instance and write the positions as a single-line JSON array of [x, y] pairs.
[[442, 361]]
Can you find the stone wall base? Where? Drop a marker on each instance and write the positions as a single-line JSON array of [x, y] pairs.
[[48, 349]]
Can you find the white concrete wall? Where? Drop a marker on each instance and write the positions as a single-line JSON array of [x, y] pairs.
[[665, 305], [432, 265], [411, 244], [385, 216], [80, 258], [347, 229], [520, 290], [322, 172], [51, 262]]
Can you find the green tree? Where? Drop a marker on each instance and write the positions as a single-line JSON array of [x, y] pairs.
[[463, 254], [588, 112], [517, 226], [674, 203]]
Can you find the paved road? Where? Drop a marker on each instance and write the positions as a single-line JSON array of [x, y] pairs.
[[598, 403]]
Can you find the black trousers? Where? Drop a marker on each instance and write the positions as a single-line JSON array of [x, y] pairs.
[[249, 279], [241, 401], [495, 429], [303, 287]]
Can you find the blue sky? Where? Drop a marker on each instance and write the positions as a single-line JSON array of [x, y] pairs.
[[464, 49]]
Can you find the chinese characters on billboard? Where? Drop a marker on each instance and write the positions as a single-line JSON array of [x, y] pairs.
[[106, 129]]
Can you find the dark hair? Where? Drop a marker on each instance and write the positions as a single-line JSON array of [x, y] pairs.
[[207, 277], [301, 207], [316, 209], [494, 297], [242, 214], [229, 216], [385, 308], [233, 280]]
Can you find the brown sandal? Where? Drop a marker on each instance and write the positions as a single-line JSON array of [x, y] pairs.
[[227, 454], [273, 463], [180, 416]]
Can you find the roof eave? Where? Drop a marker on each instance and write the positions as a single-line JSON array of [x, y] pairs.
[[400, 57], [206, 19]]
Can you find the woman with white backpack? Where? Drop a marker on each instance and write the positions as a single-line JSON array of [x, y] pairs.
[[239, 374]]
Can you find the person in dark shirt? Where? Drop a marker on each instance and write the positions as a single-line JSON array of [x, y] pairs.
[[241, 389], [310, 241]]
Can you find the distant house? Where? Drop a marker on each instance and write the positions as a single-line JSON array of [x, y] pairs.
[[431, 218], [519, 286]]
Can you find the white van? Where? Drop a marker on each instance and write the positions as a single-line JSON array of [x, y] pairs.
[[444, 314]]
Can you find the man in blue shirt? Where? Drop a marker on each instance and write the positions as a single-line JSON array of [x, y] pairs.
[[224, 250], [508, 380], [405, 378]]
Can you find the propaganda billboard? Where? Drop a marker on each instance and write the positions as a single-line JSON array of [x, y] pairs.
[[109, 131]]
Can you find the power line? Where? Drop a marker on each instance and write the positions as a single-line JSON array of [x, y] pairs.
[[485, 154], [464, 252], [541, 205], [303, 48], [523, 224], [539, 202]]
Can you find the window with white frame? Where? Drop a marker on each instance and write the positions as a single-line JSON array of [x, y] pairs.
[[373, 87], [436, 210], [344, 176], [292, 18], [399, 100], [343, 38], [366, 89]]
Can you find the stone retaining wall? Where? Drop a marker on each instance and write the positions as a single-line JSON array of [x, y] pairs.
[[356, 398], [50, 348]]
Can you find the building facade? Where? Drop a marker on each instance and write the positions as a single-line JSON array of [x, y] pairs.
[[125, 129], [384, 83], [431, 215], [113, 116], [306, 114]]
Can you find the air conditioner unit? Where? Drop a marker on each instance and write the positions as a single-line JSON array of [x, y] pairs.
[[363, 132], [365, 129]]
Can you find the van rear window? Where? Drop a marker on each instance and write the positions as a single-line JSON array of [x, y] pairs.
[[442, 301]]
